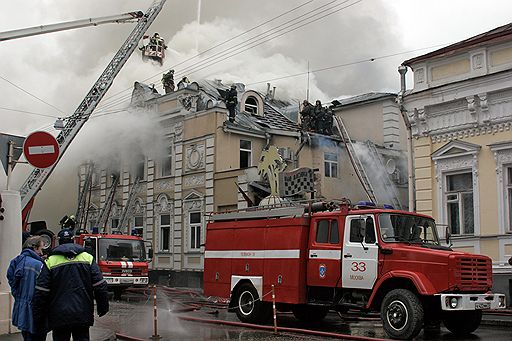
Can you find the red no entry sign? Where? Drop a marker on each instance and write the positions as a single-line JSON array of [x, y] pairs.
[[41, 149]]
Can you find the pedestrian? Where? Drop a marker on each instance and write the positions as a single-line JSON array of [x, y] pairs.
[[22, 274], [65, 290]]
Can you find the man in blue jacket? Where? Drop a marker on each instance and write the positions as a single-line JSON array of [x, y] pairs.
[[66, 288], [21, 274]]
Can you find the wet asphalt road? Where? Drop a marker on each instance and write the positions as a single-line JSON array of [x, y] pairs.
[[135, 318], [133, 315]]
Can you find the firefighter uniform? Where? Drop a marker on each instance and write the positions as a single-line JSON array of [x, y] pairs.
[[65, 290]]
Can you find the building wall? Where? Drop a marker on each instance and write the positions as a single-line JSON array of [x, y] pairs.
[[356, 118], [468, 108]]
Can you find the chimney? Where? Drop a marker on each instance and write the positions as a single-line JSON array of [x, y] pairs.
[[274, 92], [268, 89]]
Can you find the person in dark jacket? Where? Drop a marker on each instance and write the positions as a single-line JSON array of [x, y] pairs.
[[231, 102], [22, 274], [65, 290]]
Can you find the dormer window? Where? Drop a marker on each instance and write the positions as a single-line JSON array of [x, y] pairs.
[[251, 105]]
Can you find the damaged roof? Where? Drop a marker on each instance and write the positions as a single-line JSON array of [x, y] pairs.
[[273, 110]]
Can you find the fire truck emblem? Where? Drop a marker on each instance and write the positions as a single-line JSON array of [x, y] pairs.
[[322, 270]]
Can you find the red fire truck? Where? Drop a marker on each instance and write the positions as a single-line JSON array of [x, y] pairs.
[[122, 259], [340, 257]]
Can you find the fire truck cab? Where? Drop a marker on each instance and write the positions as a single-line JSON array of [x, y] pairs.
[[340, 257], [122, 259]]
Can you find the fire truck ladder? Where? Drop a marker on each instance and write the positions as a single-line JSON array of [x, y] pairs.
[[129, 204], [82, 199], [105, 210], [76, 121], [354, 159], [389, 185]]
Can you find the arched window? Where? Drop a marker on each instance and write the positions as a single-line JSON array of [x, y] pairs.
[[251, 105]]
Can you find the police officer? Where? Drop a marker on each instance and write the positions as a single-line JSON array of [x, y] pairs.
[[65, 290]]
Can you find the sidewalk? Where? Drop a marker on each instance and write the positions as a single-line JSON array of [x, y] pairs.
[[97, 334]]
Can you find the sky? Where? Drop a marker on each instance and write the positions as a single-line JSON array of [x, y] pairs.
[[59, 68]]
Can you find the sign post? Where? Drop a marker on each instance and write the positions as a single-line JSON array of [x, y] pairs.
[[41, 149]]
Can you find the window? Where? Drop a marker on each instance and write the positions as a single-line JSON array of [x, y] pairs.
[[138, 226], [114, 249], [90, 246], [509, 199], [166, 164], [139, 171], [407, 228], [356, 234], [245, 153], [251, 105], [322, 231], [195, 230], [327, 232], [459, 203], [115, 223], [331, 165], [165, 233]]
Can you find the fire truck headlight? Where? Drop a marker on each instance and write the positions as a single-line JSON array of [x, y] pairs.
[[502, 302], [454, 302]]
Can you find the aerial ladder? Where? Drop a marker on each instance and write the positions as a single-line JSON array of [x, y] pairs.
[[129, 204], [105, 210], [82, 198], [43, 29], [354, 159], [76, 121]]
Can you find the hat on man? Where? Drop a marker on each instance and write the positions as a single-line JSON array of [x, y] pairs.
[[65, 236]]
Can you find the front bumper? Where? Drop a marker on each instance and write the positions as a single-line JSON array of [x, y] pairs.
[[126, 280], [472, 301]]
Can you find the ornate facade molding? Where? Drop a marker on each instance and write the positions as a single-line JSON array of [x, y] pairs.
[[138, 207], [194, 180], [177, 131], [502, 153], [470, 132], [195, 157], [163, 204], [447, 161], [472, 115], [194, 202], [163, 185]]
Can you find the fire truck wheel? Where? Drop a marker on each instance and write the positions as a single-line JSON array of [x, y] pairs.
[[249, 307], [462, 322], [47, 236], [309, 314], [402, 314]]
